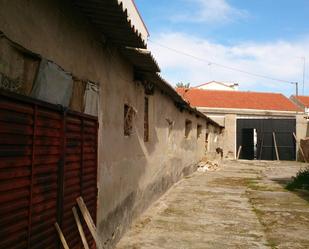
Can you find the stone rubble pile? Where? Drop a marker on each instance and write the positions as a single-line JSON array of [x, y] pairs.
[[207, 166]]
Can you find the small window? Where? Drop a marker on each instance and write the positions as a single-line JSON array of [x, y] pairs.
[[206, 138], [206, 141], [188, 128], [216, 138], [199, 129], [128, 120], [170, 124], [146, 120]]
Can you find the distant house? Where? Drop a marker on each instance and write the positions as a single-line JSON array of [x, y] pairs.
[[250, 118], [215, 85], [302, 102]]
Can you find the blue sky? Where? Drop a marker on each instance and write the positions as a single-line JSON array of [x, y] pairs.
[[260, 36]]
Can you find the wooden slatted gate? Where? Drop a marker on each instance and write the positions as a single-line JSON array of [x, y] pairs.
[[48, 157]]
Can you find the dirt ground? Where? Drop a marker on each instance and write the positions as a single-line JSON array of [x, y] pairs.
[[242, 205]]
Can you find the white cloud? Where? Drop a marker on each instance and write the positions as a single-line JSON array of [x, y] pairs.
[[280, 59], [209, 11]]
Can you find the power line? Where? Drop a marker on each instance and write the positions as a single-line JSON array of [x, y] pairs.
[[221, 65]]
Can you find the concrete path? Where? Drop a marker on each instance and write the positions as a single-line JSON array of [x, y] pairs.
[[243, 205]]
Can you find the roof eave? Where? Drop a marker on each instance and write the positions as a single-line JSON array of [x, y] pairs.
[[142, 59], [111, 19]]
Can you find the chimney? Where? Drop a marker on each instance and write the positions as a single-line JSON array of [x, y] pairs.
[[235, 86]]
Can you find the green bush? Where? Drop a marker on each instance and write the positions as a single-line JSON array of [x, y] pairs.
[[300, 181]]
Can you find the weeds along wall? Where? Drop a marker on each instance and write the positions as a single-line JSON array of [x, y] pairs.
[[132, 172]]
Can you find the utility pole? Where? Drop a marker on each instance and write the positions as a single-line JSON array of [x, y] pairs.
[[296, 87], [304, 73]]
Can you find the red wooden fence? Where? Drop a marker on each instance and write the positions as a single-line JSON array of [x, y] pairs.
[[48, 157]]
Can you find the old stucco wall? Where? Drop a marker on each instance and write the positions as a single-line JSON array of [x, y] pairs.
[[229, 137], [56, 32], [214, 141], [134, 173], [131, 173], [301, 132]]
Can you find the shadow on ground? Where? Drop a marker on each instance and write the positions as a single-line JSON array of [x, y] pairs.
[[304, 194]]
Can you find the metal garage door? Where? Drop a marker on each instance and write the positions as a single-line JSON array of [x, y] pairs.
[[264, 144], [48, 157]]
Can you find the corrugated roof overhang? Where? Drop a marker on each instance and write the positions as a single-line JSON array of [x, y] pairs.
[[163, 85], [142, 59], [112, 20]]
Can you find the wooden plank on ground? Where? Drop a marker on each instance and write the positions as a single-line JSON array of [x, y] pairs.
[[276, 148], [300, 148], [80, 228], [61, 236], [89, 222], [261, 148], [239, 150]]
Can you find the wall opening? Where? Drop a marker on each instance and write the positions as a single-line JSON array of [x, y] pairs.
[[248, 145], [199, 129], [206, 141], [128, 120], [188, 127], [170, 124]]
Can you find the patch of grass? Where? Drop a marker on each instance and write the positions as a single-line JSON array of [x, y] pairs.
[[300, 181], [233, 181], [259, 213], [173, 211], [272, 244], [256, 185]]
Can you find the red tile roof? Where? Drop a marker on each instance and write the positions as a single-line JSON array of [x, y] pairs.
[[302, 99], [237, 99]]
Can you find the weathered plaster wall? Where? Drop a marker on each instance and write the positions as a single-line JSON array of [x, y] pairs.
[[215, 140], [131, 173], [225, 139], [301, 131], [301, 127], [55, 31], [229, 137]]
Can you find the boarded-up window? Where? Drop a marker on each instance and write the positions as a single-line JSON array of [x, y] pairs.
[[91, 99], [78, 95], [128, 120], [146, 120], [53, 84], [188, 127], [199, 129]]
